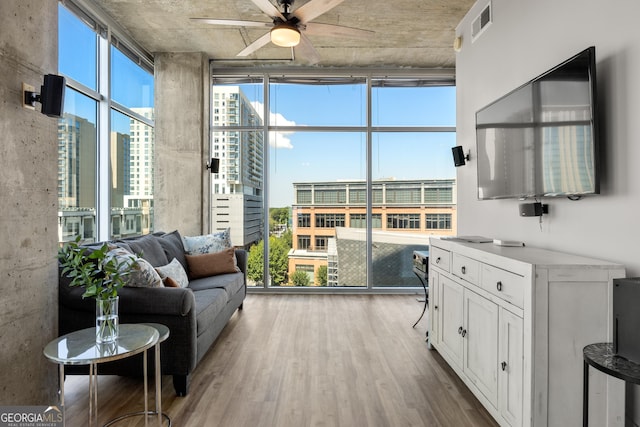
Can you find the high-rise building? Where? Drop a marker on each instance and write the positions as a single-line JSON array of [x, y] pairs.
[[131, 178], [237, 197], [141, 156], [76, 178]]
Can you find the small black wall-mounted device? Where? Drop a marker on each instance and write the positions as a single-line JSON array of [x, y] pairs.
[[458, 156], [52, 95], [533, 209], [214, 165]]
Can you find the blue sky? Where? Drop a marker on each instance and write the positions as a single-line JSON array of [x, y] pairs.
[[315, 156], [299, 156]]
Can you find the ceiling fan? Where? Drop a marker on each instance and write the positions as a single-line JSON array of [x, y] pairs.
[[289, 28]]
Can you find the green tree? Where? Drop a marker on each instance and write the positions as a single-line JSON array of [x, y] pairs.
[[287, 236], [279, 215], [300, 278], [278, 261], [278, 219], [254, 262], [321, 275]]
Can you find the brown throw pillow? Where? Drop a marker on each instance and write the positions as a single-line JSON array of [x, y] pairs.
[[170, 283], [212, 264]]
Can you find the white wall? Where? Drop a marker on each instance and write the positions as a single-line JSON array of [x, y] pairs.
[[525, 39]]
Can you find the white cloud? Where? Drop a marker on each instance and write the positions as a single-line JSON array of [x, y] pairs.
[[276, 139]]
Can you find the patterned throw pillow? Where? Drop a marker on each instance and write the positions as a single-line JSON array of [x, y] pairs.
[[141, 273], [174, 271], [208, 243]]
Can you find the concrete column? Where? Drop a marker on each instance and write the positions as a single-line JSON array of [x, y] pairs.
[[181, 191], [28, 205]]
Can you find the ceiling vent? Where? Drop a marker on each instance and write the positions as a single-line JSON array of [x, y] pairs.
[[482, 21]]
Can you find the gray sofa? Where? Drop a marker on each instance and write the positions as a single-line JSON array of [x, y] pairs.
[[195, 315]]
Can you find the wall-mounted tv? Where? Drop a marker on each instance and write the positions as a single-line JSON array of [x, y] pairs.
[[541, 139]]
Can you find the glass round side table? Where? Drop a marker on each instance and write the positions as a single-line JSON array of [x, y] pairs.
[[80, 348], [602, 357], [163, 332]]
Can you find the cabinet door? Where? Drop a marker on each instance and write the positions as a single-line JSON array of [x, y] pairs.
[[451, 318], [481, 344], [434, 307], [511, 370]]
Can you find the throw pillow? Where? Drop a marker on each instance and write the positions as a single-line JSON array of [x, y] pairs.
[[212, 264], [208, 243], [170, 283], [141, 272], [175, 272]]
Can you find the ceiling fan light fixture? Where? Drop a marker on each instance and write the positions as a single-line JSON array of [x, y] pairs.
[[285, 35]]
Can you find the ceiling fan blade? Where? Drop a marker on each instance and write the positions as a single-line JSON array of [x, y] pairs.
[[313, 9], [306, 50], [267, 7], [255, 45], [317, 29], [233, 22]]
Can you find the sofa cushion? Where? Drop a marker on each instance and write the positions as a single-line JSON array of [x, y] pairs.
[[231, 283], [141, 273], [175, 272], [209, 304], [208, 243], [212, 264], [149, 248], [173, 247]]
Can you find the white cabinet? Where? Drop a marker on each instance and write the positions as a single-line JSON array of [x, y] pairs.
[[512, 322], [480, 336], [451, 312], [510, 358]]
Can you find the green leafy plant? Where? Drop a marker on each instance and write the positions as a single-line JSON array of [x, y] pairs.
[[100, 273], [300, 278]]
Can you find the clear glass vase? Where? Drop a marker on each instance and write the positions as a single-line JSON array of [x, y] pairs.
[[106, 320]]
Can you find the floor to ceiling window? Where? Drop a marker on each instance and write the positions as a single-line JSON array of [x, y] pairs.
[[352, 171], [105, 137]]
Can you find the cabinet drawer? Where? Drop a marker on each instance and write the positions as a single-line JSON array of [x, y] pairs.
[[466, 268], [504, 284], [439, 258]]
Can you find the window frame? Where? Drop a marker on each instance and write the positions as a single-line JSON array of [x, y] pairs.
[[232, 74], [108, 34]]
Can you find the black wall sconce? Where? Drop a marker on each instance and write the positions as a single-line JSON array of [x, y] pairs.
[[459, 157], [51, 95], [214, 165]]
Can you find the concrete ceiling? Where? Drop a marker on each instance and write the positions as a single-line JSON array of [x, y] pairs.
[[407, 33]]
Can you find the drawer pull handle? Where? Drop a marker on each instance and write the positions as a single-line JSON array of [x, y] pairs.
[[460, 330], [464, 270], [499, 286], [438, 260], [435, 307], [503, 365], [464, 332]]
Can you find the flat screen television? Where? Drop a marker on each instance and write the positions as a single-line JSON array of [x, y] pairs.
[[541, 139]]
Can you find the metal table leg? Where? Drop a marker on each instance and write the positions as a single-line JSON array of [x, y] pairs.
[[585, 395], [426, 299]]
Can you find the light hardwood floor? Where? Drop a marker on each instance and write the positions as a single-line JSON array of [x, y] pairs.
[[306, 360]]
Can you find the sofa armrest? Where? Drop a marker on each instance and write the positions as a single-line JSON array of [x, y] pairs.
[[162, 301], [241, 257]]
